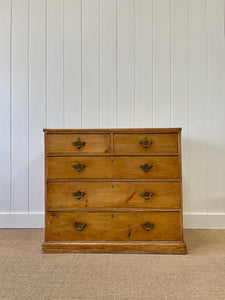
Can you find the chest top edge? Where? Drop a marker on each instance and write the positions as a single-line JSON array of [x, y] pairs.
[[118, 130]]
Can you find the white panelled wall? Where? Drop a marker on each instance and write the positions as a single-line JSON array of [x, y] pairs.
[[112, 63]]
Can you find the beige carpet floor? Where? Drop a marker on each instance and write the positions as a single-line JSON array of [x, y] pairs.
[[26, 273]]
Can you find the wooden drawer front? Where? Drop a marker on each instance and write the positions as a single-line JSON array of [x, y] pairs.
[[93, 143], [159, 143], [71, 195], [115, 226], [112, 167]]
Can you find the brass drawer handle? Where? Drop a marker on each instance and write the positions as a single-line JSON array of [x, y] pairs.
[[146, 195], [147, 226], [146, 167], [79, 226], [145, 143], [78, 143], [78, 194], [79, 167]]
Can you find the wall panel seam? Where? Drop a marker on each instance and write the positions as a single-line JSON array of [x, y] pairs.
[[135, 77], [207, 155], [10, 193], [46, 63], [188, 96], [99, 62], [63, 62], [81, 64], [45, 70], [117, 64], [170, 63], [28, 104], [152, 63]]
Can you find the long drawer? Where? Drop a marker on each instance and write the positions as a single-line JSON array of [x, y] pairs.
[[114, 226], [146, 143], [71, 195], [113, 167]]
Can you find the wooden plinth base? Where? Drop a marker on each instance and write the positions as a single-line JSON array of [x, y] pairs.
[[115, 247]]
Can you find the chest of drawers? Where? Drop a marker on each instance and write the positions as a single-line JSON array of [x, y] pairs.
[[113, 190]]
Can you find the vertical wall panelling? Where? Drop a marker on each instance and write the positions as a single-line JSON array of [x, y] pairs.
[[55, 99], [112, 63], [90, 64], [5, 32], [161, 63], [125, 61], [20, 107], [37, 103], [143, 63], [197, 106], [72, 63], [107, 22], [179, 84], [216, 106]]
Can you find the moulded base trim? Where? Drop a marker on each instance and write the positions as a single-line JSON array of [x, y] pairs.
[[153, 247]]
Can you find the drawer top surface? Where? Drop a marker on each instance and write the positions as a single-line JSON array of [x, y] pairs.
[[120, 130]]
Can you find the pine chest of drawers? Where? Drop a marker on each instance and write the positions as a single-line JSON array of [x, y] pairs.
[[113, 190]]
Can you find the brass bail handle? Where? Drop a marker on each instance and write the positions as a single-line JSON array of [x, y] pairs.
[[145, 143], [146, 167], [147, 226], [78, 194], [79, 167], [79, 144], [79, 226], [146, 195]]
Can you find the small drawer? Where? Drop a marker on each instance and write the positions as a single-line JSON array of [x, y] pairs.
[[78, 143], [113, 226], [146, 143], [73, 195]]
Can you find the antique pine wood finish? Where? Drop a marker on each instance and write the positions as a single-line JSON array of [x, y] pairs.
[[113, 190], [113, 194], [130, 143], [94, 143], [113, 167], [113, 226]]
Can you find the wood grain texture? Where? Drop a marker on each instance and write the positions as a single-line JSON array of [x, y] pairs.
[[113, 194], [113, 167], [83, 203], [108, 226]]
